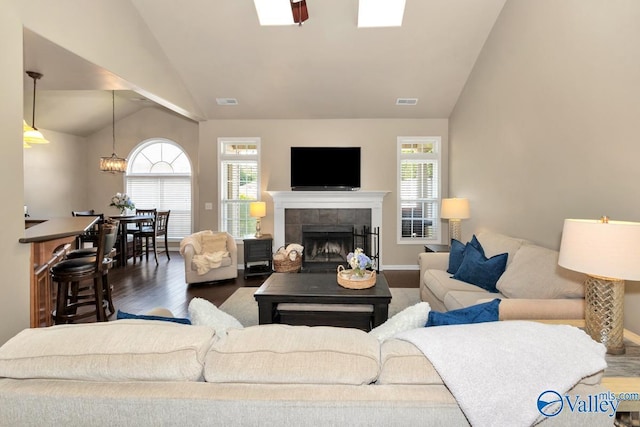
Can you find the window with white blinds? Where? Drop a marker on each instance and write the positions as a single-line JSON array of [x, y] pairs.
[[419, 189], [159, 176], [239, 165]]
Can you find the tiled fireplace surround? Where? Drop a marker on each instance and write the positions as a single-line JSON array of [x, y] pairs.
[[295, 209]]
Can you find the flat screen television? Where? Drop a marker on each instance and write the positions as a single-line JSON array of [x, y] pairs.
[[325, 168]]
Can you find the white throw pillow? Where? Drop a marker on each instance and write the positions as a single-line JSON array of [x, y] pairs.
[[203, 312], [410, 318]]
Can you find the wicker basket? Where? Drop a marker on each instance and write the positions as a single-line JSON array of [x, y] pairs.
[[286, 265], [347, 280]]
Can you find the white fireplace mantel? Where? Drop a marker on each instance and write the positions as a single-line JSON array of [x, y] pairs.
[[324, 200]]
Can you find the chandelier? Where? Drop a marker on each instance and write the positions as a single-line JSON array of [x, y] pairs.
[[113, 164]]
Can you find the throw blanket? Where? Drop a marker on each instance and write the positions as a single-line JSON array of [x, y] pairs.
[[203, 262], [208, 261], [194, 240], [497, 370]]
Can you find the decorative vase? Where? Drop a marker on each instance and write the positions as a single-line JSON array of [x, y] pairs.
[[358, 272]]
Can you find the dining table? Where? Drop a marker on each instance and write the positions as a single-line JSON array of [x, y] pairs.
[[125, 220]]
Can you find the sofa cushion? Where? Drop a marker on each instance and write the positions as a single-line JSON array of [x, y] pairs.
[[283, 354], [460, 299], [122, 350], [411, 317], [440, 283], [480, 270], [403, 363], [495, 243], [535, 273]]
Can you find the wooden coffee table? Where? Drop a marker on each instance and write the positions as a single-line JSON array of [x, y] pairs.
[[315, 299]]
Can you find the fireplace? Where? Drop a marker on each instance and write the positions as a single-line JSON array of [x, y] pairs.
[[326, 245], [360, 211]]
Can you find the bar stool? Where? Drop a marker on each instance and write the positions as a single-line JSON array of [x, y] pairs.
[[69, 273], [108, 263]]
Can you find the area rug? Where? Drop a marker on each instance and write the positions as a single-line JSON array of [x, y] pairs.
[[244, 307]]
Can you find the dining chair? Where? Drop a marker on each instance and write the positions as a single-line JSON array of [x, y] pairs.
[[151, 235]]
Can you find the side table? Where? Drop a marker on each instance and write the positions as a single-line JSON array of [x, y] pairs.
[[436, 248], [258, 257]]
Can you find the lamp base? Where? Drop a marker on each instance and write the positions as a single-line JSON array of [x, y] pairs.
[[258, 232], [604, 312], [455, 230]]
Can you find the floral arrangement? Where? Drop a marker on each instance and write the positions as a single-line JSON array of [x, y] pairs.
[[122, 202], [358, 261]]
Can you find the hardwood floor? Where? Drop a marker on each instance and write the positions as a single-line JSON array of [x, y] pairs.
[[139, 288]]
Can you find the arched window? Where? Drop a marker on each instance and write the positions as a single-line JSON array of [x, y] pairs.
[[159, 176]]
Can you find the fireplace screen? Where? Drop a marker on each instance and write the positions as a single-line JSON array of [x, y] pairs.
[[327, 246]]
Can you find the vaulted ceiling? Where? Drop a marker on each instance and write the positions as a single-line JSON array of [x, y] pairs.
[[326, 68]]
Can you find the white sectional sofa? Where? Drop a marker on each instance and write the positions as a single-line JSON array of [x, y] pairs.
[[148, 373], [532, 286]]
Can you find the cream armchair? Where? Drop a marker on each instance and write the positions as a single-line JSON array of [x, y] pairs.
[[211, 264]]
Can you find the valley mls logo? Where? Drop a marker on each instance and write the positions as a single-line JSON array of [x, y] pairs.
[[551, 403]]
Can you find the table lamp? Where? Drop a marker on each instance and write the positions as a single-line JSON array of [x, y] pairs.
[[258, 210], [454, 210], [607, 252]]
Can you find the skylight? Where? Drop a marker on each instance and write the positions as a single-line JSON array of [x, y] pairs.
[[380, 13], [274, 12]]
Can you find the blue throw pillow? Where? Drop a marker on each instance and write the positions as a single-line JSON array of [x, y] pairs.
[[480, 271], [479, 313], [456, 253], [475, 243], [123, 315]]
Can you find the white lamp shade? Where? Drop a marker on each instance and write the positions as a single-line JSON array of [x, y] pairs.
[[606, 249], [455, 209], [257, 209], [33, 136]]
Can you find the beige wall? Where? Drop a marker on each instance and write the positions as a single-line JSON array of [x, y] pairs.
[[131, 131], [378, 139], [547, 128], [112, 35], [55, 176], [14, 257]]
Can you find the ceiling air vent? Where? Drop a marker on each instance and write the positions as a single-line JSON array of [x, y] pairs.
[[227, 101], [406, 101]]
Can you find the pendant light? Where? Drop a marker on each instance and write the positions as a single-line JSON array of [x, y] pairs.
[[25, 127], [31, 134], [114, 163]]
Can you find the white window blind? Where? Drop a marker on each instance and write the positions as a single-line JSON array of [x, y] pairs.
[[240, 184], [159, 177], [419, 189]]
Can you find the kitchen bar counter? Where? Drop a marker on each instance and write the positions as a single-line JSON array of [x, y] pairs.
[[50, 241], [57, 228]]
